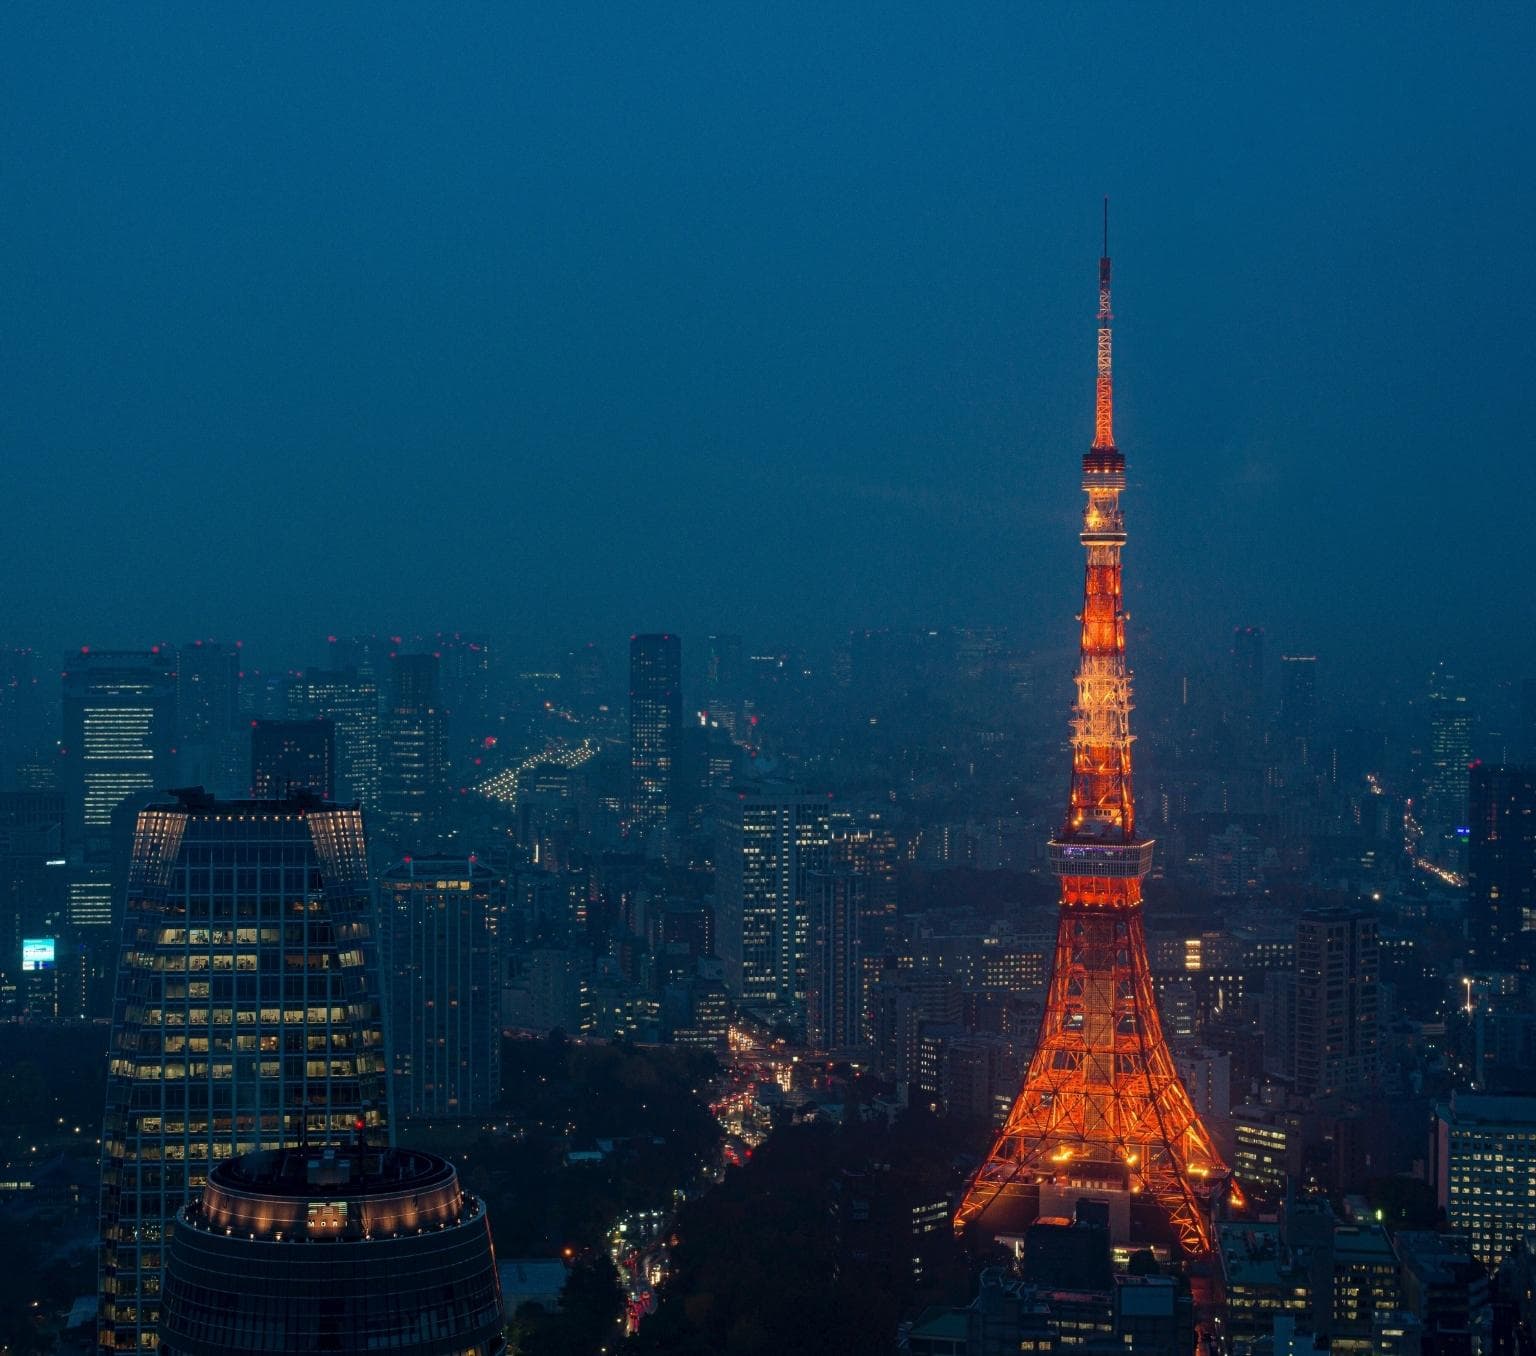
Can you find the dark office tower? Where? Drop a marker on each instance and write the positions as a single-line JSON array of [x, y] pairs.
[[655, 728], [209, 749], [351, 704], [25, 746], [769, 843], [440, 920], [352, 1249], [585, 680], [1337, 971], [1501, 864], [464, 680], [1450, 754], [119, 736], [413, 753], [1247, 685], [291, 756], [834, 967], [725, 680], [1298, 706], [247, 1017]]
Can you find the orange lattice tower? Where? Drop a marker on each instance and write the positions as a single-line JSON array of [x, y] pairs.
[[1102, 1104]]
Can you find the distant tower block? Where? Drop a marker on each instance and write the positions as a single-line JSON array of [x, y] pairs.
[[1102, 1110]]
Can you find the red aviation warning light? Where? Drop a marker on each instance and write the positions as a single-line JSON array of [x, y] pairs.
[[1101, 1102]]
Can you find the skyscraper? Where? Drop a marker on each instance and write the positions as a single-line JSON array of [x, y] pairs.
[[1450, 754], [1247, 686], [1337, 1002], [1298, 707], [834, 1001], [119, 736], [655, 730], [769, 843], [725, 680], [1501, 864], [289, 756], [247, 1017], [351, 1249], [441, 920], [413, 762], [209, 750], [1102, 1109], [351, 703], [25, 749]]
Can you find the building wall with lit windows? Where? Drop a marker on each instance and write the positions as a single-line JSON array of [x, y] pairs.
[[247, 1016], [1484, 1166], [768, 844], [441, 920], [118, 736], [351, 703]]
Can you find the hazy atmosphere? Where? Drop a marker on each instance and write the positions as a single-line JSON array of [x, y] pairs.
[[605, 316]]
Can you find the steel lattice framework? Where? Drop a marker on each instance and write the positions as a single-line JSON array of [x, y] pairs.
[[1102, 1101]]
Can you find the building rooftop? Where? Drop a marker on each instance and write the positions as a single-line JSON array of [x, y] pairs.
[[330, 1195], [1483, 1109], [1251, 1254]]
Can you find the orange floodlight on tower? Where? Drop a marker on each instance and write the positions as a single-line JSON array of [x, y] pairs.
[[1102, 1103]]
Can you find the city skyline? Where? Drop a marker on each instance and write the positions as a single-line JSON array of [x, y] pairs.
[[574, 662]]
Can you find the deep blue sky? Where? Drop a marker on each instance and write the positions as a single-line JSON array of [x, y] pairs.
[[762, 317]]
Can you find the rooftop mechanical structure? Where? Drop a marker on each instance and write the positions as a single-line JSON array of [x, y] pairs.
[[1102, 1105]]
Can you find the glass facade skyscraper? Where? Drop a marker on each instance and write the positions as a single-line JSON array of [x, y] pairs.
[[247, 1017], [350, 701]]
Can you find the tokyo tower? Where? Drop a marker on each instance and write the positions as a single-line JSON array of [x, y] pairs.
[[1102, 1106]]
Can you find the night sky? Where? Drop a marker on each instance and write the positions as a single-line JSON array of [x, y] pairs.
[[772, 319]]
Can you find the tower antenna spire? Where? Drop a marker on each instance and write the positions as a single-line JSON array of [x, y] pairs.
[[1104, 399]]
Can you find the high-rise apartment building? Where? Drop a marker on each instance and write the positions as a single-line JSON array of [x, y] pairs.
[[413, 761], [1483, 1167], [1336, 1011], [350, 702], [1501, 863], [289, 756], [769, 842], [119, 736], [209, 750], [655, 730], [834, 969], [247, 1017], [441, 920]]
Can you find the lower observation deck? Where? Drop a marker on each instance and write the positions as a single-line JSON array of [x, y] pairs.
[[1101, 861]]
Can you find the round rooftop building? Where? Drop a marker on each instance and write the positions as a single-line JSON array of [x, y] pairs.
[[333, 1250]]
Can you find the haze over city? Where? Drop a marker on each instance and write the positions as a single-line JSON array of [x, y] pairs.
[[583, 320], [584, 583]]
